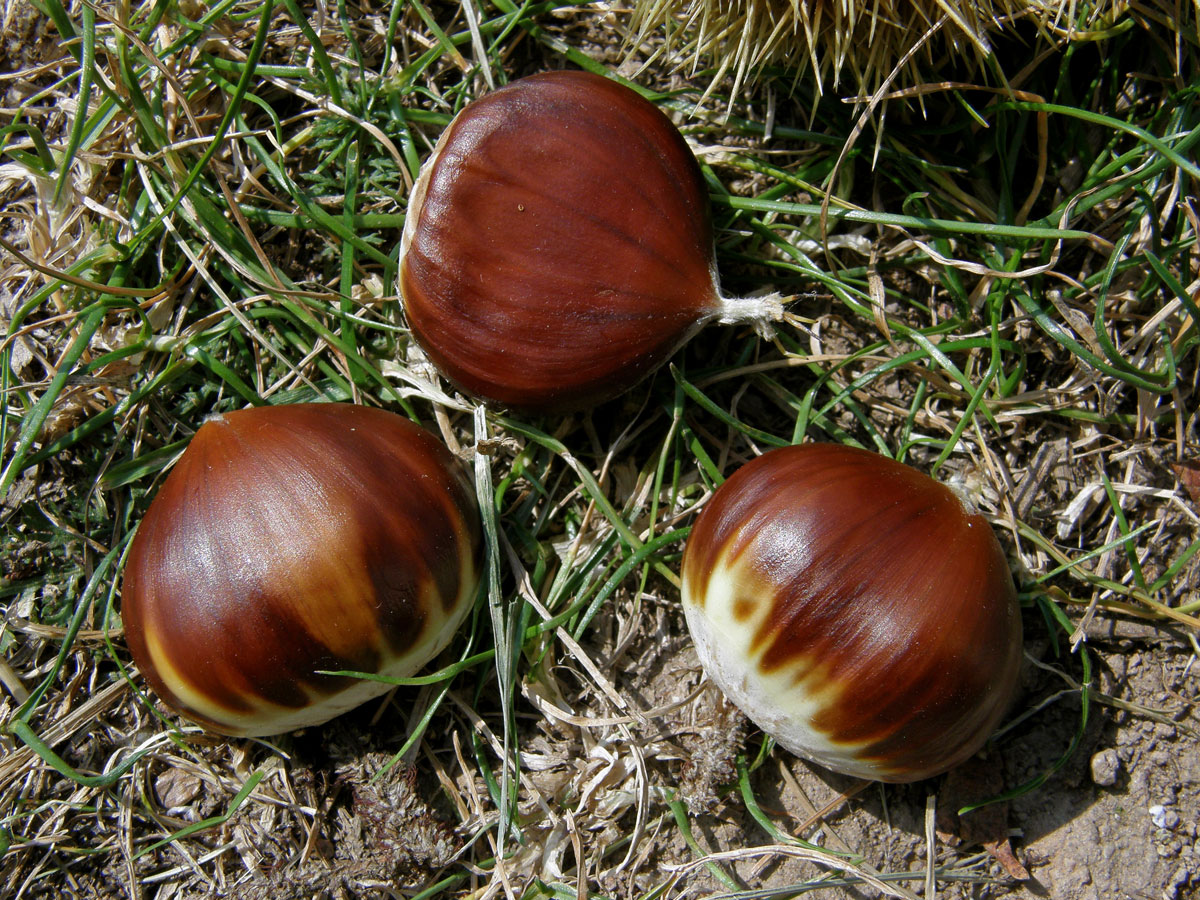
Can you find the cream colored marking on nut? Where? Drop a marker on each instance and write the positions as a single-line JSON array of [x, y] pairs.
[[435, 637], [321, 707], [783, 701]]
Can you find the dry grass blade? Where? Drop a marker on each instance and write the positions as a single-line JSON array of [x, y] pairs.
[[786, 850]]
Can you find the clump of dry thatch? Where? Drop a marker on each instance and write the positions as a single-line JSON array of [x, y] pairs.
[[861, 41]]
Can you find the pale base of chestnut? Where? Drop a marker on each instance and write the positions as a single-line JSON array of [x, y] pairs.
[[775, 702], [268, 719]]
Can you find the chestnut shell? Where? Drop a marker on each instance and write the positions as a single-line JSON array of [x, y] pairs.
[[558, 246], [289, 540], [854, 609]]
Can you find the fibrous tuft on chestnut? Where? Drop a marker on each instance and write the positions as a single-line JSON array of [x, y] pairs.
[[294, 540], [558, 245], [855, 609]]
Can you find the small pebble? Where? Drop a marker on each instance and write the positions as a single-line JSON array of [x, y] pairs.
[[1105, 766], [1162, 817]]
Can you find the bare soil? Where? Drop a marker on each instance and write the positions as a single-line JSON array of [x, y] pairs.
[[1119, 820]]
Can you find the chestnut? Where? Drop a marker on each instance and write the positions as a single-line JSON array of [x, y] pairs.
[[855, 609], [294, 540], [558, 245]]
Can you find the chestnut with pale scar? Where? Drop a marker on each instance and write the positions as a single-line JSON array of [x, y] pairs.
[[292, 541], [855, 609]]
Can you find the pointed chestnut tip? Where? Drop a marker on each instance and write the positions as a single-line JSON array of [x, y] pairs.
[[290, 541], [854, 609], [558, 245]]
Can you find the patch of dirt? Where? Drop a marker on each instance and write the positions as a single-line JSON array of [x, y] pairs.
[[1118, 820], [1135, 837], [28, 39]]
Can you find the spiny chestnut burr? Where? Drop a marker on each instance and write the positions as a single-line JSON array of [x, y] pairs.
[[558, 245], [828, 41], [855, 609], [294, 540]]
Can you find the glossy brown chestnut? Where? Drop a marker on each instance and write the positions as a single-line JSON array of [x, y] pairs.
[[855, 609], [558, 245], [291, 540]]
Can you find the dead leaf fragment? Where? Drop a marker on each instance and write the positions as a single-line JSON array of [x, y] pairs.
[[1003, 853], [975, 781], [1188, 473], [176, 788]]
